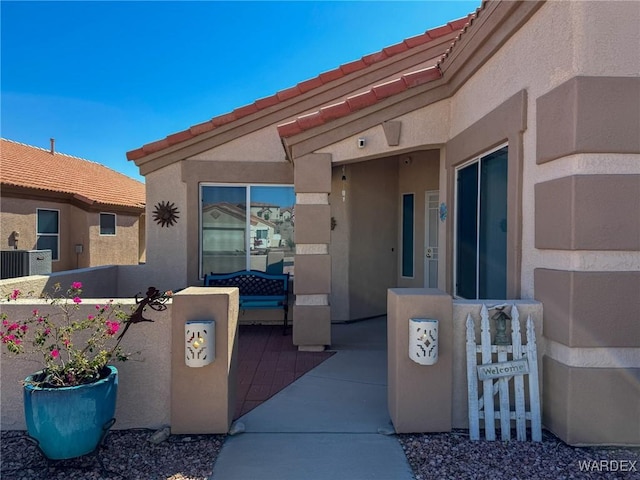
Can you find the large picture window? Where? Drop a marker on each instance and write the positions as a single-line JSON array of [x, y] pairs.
[[48, 231], [481, 227], [246, 227]]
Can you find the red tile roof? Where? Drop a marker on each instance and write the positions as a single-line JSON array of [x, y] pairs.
[[359, 101], [377, 92], [237, 212], [300, 88], [471, 17], [90, 182]]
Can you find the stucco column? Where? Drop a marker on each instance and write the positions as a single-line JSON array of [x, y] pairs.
[[419, 396], [203, 398], [587, 240], [312, 279]]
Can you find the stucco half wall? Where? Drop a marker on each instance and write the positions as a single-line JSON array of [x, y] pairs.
[[434, 398], [144, 382], [156, 388]]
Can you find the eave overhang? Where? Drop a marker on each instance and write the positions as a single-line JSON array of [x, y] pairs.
[[493, 24]]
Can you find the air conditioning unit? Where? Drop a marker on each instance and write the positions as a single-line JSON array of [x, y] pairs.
[[22, 263]]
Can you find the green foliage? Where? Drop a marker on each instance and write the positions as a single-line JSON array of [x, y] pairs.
[[74, 348]]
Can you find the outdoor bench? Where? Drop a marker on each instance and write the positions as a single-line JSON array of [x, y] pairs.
[[258, 290]]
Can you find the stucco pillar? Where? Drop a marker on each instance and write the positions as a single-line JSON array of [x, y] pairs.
[[419, 396], [312, 279], [587, 240], [203, 398]]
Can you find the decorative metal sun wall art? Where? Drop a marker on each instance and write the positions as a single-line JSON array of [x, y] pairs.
[[165, 214]]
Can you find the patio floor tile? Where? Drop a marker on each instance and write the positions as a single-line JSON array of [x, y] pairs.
[[267, 363]]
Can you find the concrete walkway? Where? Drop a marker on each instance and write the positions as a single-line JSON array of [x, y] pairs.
[[326, 424]]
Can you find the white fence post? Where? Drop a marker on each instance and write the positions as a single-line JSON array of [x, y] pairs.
[[496, 377], [472, 376]]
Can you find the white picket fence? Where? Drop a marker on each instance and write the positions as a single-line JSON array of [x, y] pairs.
[[496, 379]]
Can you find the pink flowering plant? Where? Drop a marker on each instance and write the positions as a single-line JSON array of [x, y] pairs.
[[74, 348]]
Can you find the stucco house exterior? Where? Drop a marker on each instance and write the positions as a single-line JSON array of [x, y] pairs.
[[495, 157], [84, 212]]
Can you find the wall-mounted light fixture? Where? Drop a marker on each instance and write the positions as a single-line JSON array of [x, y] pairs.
[[344, 184], [199, 342], [361, 142], [423, 340]]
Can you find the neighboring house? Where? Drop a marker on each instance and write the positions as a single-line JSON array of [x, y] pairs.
[[286, 214], [224, 238], [495, 157], [266, 211], [84, 212]]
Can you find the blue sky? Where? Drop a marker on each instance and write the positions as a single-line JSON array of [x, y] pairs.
[[103, 78]]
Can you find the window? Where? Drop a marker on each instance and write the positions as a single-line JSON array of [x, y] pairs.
[[244, 227], [107, 224], [408, 207], [481, 227], [48, 231]]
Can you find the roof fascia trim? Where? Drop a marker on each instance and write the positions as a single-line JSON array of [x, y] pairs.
[[392, 107], [17, 191], [466, 58], [286, 109]]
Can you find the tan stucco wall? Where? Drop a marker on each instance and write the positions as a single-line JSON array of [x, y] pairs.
[[119, 249], [167, 252], [142, 238], [365, 245], [260, 146], [416, 391], [203, 398], [372, 199], [96, 282], [77, 227], [79, 234], [562, 40], [339, 246], [423, 128], [144, 382], [609, 411], [418, 172], [419, 396], [19, 214], [579, 28]]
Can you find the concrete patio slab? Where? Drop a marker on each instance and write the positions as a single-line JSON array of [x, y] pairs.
[[324, 425], [311, 457], [318, 404]]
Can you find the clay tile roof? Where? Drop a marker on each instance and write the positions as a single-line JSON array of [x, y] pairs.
[[463, 29], [359, 101], [387, 89], [299, 89], [90, 182]]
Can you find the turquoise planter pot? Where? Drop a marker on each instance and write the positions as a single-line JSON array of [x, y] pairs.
[[70, 422]]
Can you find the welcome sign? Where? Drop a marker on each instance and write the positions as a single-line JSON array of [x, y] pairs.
[[503, 369]]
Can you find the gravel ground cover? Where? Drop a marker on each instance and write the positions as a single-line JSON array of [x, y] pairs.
[[129, 455], [126, 455], [454, 456]]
